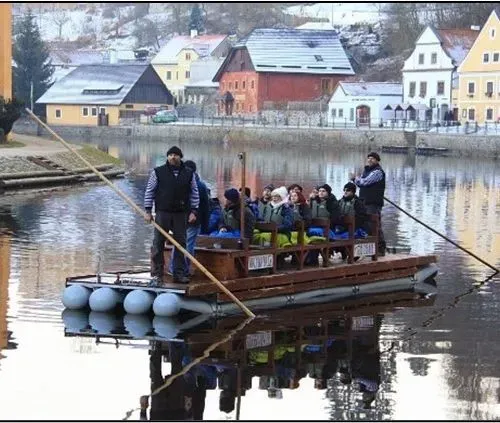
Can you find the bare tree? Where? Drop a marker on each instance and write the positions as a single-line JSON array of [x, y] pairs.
[[60, 18]]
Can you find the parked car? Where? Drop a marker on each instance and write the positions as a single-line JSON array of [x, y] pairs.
[[152, 110], [165, 116]]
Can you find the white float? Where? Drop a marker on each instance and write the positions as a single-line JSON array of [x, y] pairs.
[[104, 323], [75, 320], [166, 305], [76, 297], [104, 299], [138, 302], [166, 327], [137, 325]]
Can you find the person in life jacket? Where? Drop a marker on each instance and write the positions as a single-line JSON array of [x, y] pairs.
[[371, 185], [264, 202], [215, 214], [252, 205], [280, 211], [300, 208], [294, 187], [229, 224], [325, 205], [351, 205]]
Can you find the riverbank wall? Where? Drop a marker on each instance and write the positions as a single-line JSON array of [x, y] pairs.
[[470, 145]]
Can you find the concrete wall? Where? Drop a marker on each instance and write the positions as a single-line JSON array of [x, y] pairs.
[[466, 145]]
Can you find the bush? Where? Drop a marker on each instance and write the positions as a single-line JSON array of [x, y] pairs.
[[10, 111]]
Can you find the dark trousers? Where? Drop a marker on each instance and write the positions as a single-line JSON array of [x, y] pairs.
[[374, 209], [177, 222]]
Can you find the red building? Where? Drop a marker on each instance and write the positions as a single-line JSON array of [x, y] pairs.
[[280, 65]]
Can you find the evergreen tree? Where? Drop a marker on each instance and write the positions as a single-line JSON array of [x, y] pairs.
[[31, 56], [196, 19]]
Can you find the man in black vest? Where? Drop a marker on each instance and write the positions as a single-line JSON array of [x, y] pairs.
[[174, 190], [371, 185]]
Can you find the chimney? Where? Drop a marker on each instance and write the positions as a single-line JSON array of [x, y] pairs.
[[194, 33], [475, 27], [113, 59]]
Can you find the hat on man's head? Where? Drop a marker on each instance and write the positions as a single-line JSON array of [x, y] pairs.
[[175, 150], [327, 188], [232, 194], [270, 187], [374, 155], [350, 186]]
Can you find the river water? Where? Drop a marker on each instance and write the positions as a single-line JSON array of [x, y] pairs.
[[444, 363]]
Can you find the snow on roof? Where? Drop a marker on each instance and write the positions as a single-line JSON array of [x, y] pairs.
[[297, 51], [319, 26], [204, 45], [76, 57], [113, 81], [372, 88], [457, 42]]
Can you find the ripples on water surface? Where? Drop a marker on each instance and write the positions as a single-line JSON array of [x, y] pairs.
[[448, 370]]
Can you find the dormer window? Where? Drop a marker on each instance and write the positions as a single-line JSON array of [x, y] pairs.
[[318, 58]]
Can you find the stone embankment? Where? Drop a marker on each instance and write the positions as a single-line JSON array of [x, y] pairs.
[[469, 145], [42, 163]]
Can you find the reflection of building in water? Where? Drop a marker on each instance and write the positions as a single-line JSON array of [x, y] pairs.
[[475, 205], [5, 335]]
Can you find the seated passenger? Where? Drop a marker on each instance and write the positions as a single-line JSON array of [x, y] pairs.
[[294, 187], [252, 205], [325, 206], [264, 202], [351, 205], [215, 214], [300, 208], [229, 223]]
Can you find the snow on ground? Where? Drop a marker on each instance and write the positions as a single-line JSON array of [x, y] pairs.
[[341, 13]]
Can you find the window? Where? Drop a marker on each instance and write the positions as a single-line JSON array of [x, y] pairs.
[[243, 84], [334, 113], [486, 57], [489, 114], [58, 114], [252, 84], [472, 114], [413, 89], [222, 86], [421, 59], [237, 106], [471, 88], [492, 33], [495, 57], [489, 88], [242, 107], [250, 108], [440, 87], [230, 85], [85, 111], [423, 89], [434, 58], [318, 58], [464, 113], [325, 85], [351, 115], [177, 75], [341, 113], [94, 111], [235, 85], [169, 75], [188, 56], [102, 110], [187, 74], [129, 106]]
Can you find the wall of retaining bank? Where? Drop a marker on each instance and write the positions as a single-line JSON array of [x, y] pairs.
[[458, 144]]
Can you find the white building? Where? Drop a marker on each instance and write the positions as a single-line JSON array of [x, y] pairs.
[[363, 103], [429, 74]]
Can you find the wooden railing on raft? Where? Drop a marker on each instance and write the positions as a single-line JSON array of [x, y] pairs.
[[230, 258]]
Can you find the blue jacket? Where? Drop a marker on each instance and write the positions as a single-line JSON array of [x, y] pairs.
[[215, 215], [204, 208]]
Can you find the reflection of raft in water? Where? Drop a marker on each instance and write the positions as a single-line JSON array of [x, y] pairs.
[[251, 274]]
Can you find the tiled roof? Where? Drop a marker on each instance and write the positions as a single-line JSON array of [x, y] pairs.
[[457, 42], [204, 45], [115, 81], [372, 88], [297, 51]]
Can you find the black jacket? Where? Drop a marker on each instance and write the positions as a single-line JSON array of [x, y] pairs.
[[173, 193]]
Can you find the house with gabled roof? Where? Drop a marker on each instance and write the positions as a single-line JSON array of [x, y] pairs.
[[94, 95], [479, 75], [173, 61], [430, 73], [280, 65], [363, 103]]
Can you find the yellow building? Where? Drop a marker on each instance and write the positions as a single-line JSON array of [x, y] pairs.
[[173, 61], [101, 95], [6, 50], [479, 76]]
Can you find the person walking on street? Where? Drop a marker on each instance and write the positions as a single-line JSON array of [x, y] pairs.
[[371, 185], [200, 225], [173, 189]]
